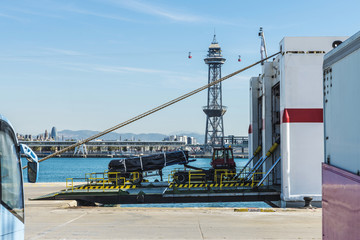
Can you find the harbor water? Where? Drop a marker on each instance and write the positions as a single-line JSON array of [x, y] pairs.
[[58, 169]]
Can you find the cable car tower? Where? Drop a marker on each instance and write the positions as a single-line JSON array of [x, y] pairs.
[[214, 133]]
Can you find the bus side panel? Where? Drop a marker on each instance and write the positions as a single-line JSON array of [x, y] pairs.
[[10, 226]]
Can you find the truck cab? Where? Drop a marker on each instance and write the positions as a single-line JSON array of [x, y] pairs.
[[223, 158]]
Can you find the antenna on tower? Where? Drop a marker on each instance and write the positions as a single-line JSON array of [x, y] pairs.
[[214, 39], [263, 51]]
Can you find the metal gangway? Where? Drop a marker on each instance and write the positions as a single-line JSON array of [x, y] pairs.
[[250, 175]]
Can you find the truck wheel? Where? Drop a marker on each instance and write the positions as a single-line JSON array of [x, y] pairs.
[[181, 178]]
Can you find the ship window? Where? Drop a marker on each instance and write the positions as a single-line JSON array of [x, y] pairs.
[[10, 173]]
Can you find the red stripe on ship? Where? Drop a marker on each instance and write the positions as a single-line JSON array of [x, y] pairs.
[[250, 129], [302, 115]]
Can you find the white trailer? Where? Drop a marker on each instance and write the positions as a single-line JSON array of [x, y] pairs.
[[341, 170]]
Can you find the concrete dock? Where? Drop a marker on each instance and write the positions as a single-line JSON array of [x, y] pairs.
[[62, 220]]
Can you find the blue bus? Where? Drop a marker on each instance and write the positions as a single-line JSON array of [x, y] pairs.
[[11, 181]]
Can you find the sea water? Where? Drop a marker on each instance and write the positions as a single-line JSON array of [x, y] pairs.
[[58, 169]]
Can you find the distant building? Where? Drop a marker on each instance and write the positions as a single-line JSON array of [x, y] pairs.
[[185, 139], [182, 139], [46, 135], [191, 140], [53, 133]]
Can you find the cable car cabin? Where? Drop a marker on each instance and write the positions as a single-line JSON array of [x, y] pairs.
[[223, 158]]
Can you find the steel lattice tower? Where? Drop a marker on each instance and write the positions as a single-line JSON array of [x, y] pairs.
[[214, 133]]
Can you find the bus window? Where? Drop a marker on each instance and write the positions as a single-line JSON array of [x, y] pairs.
[[10, 173]]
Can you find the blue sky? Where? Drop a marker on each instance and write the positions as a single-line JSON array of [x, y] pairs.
[[93, 64]]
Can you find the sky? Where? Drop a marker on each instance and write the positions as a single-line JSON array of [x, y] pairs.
[[93, 64]]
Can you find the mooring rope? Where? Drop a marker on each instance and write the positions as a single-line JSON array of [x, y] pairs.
[[153, 110]]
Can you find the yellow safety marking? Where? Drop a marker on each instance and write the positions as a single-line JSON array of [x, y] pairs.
[[232, 184], [127, 187], [181, 185], [133, 186], [216, 185], [242, 185], [211, 185], [254, 210], [191, 185], [107, 187], [186, 185], [247, 184], [112, 187], [171, 186], [226, 185], [117, 186]]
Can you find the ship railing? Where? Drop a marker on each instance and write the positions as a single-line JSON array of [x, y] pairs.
[[68, 185], [196, 175], [243, 173], [225, 174], [256, 178], [227, 178]]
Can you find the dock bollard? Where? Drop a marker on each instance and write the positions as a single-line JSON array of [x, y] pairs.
[[308, 202]]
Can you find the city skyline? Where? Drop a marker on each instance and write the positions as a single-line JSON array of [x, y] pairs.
[[91, 65]]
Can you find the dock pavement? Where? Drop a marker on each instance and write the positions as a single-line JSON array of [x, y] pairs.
[[63, 220]]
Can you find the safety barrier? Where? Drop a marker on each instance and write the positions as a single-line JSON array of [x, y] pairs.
[[102, 181], [256, 178], [211, 185], [196, 174]]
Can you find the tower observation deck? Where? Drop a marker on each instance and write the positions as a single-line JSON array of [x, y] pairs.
[[214, 110]]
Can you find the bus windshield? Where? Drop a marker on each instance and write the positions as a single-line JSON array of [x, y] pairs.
[[10, 174]]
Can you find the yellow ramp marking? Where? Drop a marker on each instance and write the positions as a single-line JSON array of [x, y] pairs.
[[254, 210]]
